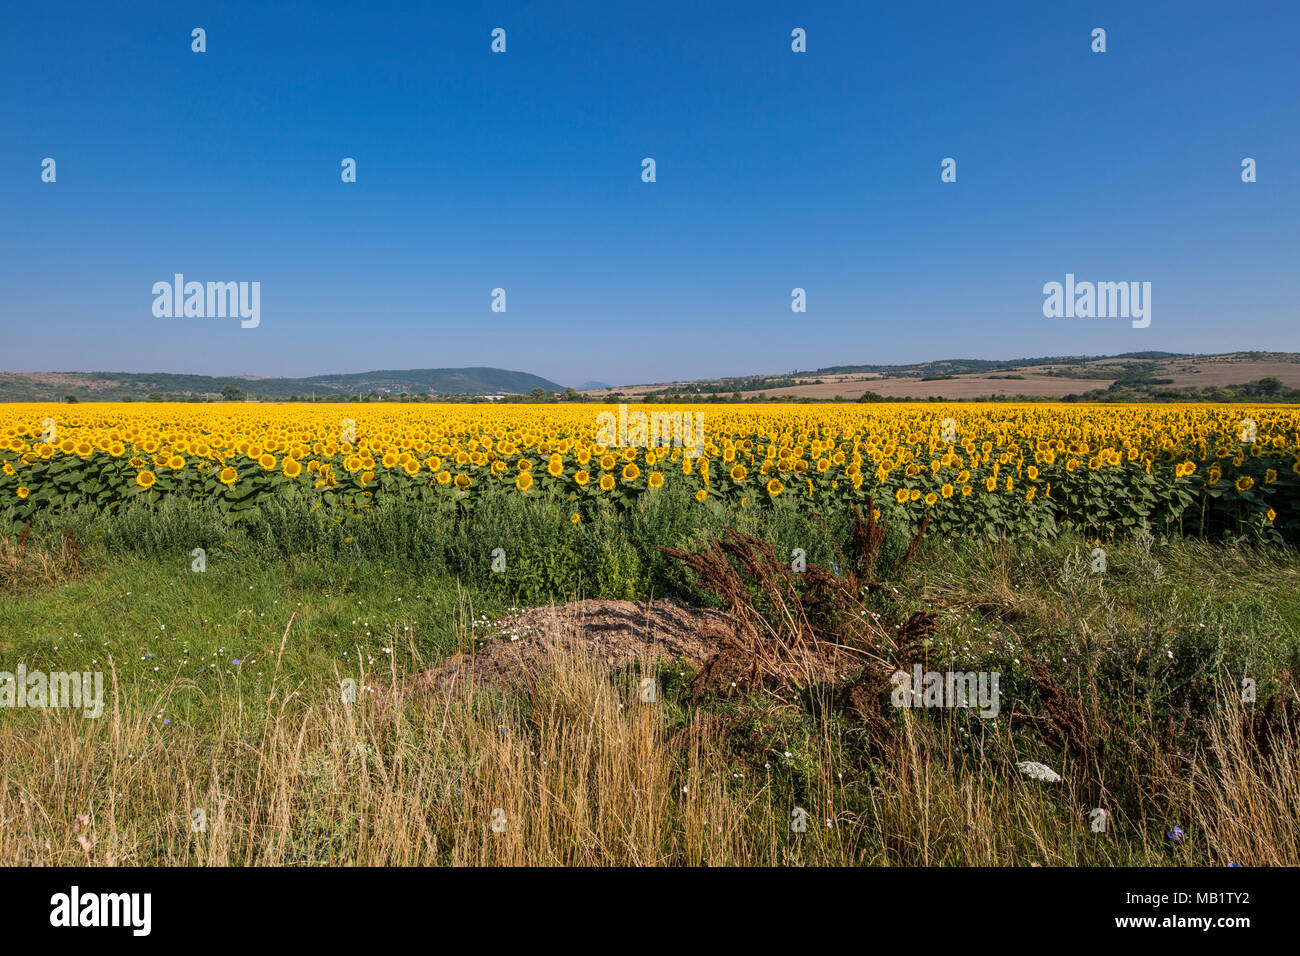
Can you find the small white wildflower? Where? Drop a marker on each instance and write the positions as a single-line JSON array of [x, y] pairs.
[[1038, 771]]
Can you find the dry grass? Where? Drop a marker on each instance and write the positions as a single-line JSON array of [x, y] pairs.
[[580, 769], [585, 773]]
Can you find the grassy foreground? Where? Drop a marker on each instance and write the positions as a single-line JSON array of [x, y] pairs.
[[223, 696]]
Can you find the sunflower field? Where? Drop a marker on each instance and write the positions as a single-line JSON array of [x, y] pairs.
[[980, 469]]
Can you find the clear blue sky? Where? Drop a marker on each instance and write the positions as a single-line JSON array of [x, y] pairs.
[[523, 171]]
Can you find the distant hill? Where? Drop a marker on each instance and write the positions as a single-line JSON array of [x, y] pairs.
[[122, 386], [1132, 376]]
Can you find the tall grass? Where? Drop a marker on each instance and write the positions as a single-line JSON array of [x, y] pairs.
[[582, 771], [585, 772], [610, 553]]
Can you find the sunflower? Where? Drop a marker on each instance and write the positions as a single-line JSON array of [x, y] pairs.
[[444, 476], [738, 473], [412, 466], [930, 499], [1245, 483], [555, 467], [701, 495], [581, 477], [146, 479], [23, 492], [631, 472], [228, 476], [606, 482], [523, 481], [266, 460], [464, 481], [574, 518], [656, 479], [774, 487], [901, 496]]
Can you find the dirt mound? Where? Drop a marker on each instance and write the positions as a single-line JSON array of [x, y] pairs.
[[785, 627], [615, 633]]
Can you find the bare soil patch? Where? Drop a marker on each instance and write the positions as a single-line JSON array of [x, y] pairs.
[[613, 633]]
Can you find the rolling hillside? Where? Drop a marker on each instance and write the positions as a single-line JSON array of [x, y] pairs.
[[120, 386], [1138, 376]]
